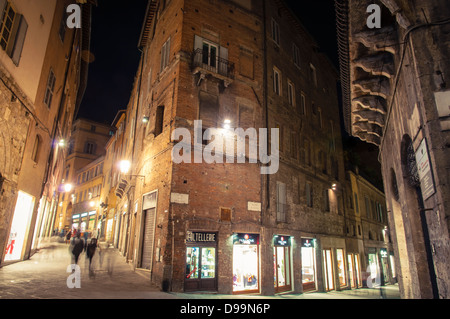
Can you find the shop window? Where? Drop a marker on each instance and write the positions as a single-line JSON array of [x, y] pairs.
[[341, 267], [328, 269], [282, 268], [245, 263], [308, 253]]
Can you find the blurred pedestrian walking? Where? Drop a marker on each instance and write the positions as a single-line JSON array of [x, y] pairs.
[[77, 247], [69, 234], [90, 250]]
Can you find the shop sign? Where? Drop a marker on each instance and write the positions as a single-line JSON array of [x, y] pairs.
[[383, 252], [246, 239], [307, 242], [76, 216], [280, 240], [200, 237]]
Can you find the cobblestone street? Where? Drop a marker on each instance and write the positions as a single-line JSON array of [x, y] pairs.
[[45, 276]]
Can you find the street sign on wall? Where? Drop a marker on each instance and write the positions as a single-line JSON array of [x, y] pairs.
[[424, 170]]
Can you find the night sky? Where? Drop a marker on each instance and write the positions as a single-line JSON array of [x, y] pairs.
[[115, 34]]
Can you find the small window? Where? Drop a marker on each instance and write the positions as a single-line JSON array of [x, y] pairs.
[[89, 148], [313, 74], [291, 93], [36, 148], [275, 32], [309, 194], [62, 26], [281, 202], [165, 55], [277, 81], [50, 89], [302, 104], [326, 200], [225, 214], [159, 120], [296, 55], [319, 110]]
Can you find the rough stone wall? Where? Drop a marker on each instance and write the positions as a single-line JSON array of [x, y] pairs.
[[14, 123]]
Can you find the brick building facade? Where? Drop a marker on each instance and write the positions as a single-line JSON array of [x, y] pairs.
[[225, 226]]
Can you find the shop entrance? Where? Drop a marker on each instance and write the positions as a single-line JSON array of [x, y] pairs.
[[148, 238], [308, 264], [245, 263], [282, 263], [328, 277], [22, 216], [201, 261], [353, 270]]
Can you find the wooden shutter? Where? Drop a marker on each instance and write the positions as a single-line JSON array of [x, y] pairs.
[[223, 61], [20, 39], [148, 239]]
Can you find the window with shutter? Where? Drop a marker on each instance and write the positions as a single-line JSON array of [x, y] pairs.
[[165, 55], [281, 202], [13, 31], [50, 89]]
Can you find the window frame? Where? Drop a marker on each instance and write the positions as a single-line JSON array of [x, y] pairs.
[[50, 88], [277, 89], [275, 32]]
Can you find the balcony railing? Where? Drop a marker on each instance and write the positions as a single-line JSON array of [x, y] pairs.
[[213, 64]]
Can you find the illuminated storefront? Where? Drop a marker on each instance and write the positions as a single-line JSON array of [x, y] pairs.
[[308, 253], [19, 227], [354, 270], [373, 268], [282, 263], [201, 261], [328, 269], [341, 267], [245, 263]]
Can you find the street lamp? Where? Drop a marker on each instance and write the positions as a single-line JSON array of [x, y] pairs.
[[68, 187], [124, 166]]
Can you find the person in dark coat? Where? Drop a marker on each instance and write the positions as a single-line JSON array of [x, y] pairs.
[[90, 250], [77, 247], [68, 236]]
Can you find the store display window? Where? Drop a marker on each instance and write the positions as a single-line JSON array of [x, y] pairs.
[[246, 263]]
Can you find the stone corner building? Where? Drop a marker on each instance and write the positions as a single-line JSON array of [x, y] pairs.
[[394, 81]]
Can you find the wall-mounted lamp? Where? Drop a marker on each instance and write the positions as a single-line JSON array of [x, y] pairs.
[[145, 119]]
